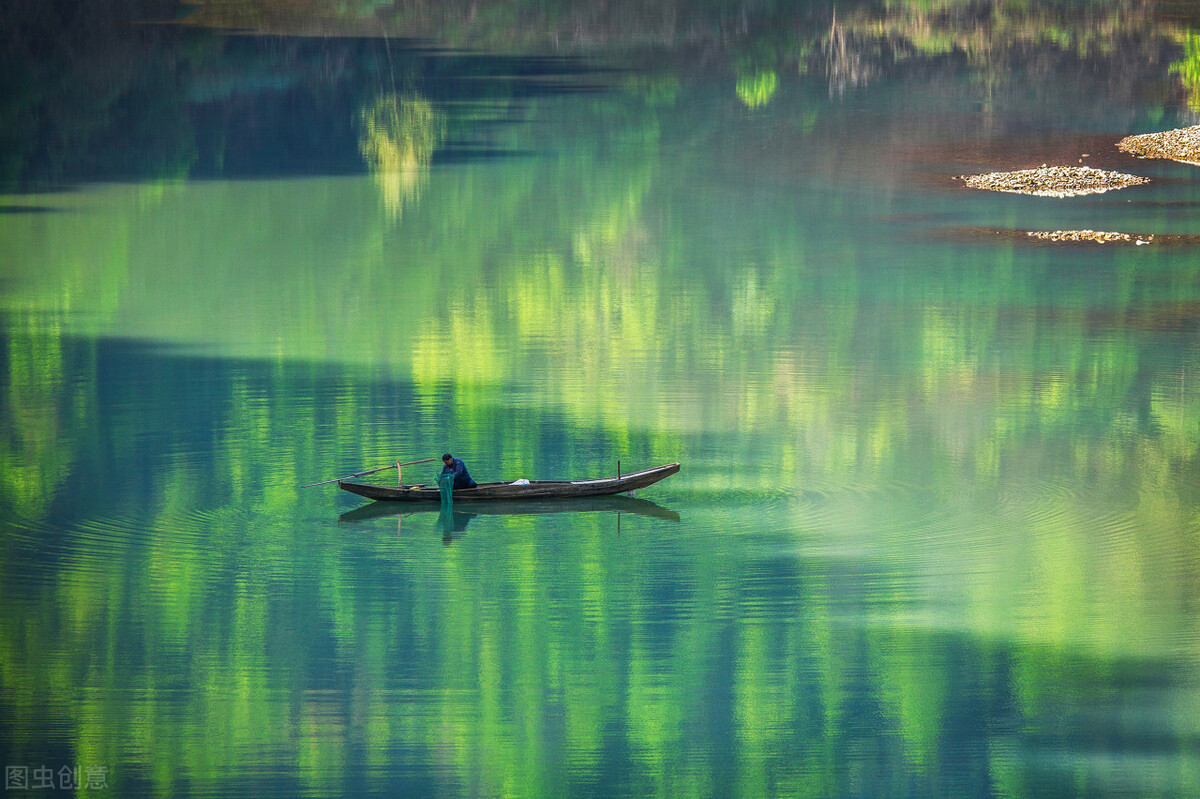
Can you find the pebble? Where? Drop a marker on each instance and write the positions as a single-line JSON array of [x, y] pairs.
[[1098, 236], [1054, 181]]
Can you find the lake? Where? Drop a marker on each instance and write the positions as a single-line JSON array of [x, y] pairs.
[[935, 531]]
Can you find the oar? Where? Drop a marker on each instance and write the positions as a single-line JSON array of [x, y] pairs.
[[368, 471]]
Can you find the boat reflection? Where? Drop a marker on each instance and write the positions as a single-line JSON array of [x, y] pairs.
[[449, 522], [612, 504]]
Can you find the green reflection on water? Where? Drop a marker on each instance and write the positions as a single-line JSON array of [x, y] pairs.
[[399, 136], [938, 515]]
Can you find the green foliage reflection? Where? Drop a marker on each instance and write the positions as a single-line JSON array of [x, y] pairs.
[[756, 90], [398, 137], [939, 506], [1188, 68]]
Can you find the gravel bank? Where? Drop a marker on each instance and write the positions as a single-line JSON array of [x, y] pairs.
[[1054, 181], [1098, 236], [1181, 144]]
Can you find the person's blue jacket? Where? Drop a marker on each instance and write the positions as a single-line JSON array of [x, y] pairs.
[[462, 478]]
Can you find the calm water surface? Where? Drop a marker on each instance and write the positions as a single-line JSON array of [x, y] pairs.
[[936, 528]]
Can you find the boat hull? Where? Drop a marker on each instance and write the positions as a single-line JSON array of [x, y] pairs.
[[535, 489]]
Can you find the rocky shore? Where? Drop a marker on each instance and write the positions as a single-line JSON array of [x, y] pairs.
[[1181, 144]]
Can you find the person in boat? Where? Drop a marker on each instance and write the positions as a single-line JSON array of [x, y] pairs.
[[455, 466]]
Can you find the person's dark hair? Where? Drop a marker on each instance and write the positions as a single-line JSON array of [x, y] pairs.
[[447, 457]]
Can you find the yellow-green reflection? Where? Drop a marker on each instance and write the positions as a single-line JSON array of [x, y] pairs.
[[397, 140], [756, 90], [938, 526], [1188, 68], [219, 622]]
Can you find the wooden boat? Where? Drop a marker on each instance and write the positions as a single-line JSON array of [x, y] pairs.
[[534, 489]]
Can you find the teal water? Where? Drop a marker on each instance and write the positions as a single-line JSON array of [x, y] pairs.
[[935, 529]]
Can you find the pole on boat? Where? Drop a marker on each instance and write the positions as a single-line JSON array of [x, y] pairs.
[[369, 471], [618, 468]]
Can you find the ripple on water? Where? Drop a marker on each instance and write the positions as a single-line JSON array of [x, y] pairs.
[[41, 547], [911, 522], [1032, 499], [883, 506], [846, 520], [1043, 504]]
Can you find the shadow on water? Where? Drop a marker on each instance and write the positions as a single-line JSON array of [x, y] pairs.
[[28, 209], [186, 103], [618, 504]]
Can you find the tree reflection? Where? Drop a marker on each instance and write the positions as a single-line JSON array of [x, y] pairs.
[[398, 137], [181, 574], [941, 512], [755, 90]]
